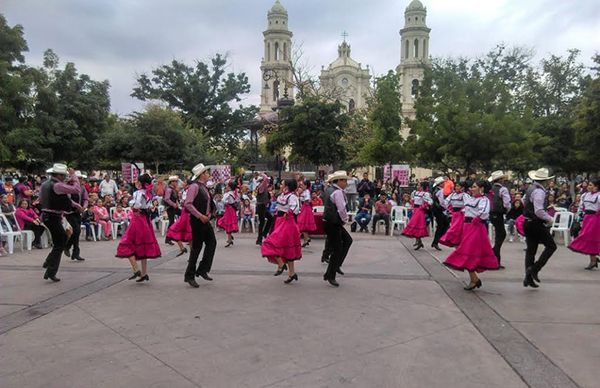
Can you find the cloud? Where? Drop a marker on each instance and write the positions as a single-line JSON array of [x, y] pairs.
[[117, 39]]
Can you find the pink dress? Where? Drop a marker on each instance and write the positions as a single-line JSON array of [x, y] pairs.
[[306, 218], [284, 241], [588, 240], [454, 233], [181, 230], [229, 221], [417, 225], [474, 253], [139, 240], [101, 218]]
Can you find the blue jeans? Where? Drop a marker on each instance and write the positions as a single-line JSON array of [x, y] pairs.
[[363, 219]]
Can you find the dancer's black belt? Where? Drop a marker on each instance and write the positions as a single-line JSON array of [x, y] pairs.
[[280, 213], [456, 209], [468, 220], [589, 212], [416, 206]]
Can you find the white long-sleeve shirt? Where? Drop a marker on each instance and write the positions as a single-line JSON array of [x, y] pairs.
[[421, 197], [589, 202], [477, 207], [288, 201]]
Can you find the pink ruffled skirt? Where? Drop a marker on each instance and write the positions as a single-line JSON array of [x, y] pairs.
[[139, 239], [417, 225], [181, 230], [588, 240], [453, 236], [306, 219], [475, 252], [284, 241], [229, 221]]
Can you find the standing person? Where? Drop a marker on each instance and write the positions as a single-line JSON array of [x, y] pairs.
[[79, 203], [474, 253], [108, 187], [382, 212], [27, 219], [263, 201], [282, 247], [537, 227], [139, 242], [500, 206], [366, 186], [181, 230], [199, 204], [55, 201], [334, 219], [171, 200], [352, 193], [439, 212], [229, 221], [417, 225], [587, 241], [456, 204], [306, 219], [326, 255]]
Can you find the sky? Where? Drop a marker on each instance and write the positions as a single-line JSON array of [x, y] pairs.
[[119, 39]]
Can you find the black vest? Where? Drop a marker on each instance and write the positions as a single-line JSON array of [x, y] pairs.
[[53, 201], [529, 209], [174, 197], [262, 198], [497, 202], [331, 215], [77, 197], [201, 201]]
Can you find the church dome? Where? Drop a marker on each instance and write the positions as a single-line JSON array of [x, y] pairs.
[[415, 5], [278, 8]]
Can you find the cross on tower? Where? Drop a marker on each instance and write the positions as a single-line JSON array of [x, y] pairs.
[[344, 35]]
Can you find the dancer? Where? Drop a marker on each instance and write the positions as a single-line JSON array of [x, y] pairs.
[[306, 219], [263, 200], [181, 232], [500, 206], [537, 227], [326, 255], [54, 197], [199, 204], [334, 219], [171, 201], [588, 240], [139, 242], [474, 253], [438, 210], [79, 203], [282, 246], [417, 225], [456, 204], [229, 221]]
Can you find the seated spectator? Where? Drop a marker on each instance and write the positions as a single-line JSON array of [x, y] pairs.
[[550, 209], [120, 215], [273, 205], [247, 213], [8, 210], [87, 218], [394, 201], [315, 200], [564, 199], [575, 205], [154, 213], [29, 220], [101, 217], [23, 190], [382, 212], [109, 201], [515, 211], [363, 216]]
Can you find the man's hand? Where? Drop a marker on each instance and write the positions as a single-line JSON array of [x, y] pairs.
[[203, 218]]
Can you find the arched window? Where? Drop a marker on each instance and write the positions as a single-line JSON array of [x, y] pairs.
[[276, 54], [416, 48], [406, 49], [414, 91], [351, 106], [284, 51], [268, 52], [275, 90]]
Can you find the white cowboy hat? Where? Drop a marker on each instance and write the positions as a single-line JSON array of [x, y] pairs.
[[438, 180], [173, 178], [58, 168], [341, 174], [541, 174], [78, 174], [497, 175], [198, 170]]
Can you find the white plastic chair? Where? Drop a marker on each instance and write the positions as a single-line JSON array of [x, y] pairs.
[[115, 224], [562, 223], [27, 234], [10, 235], [84, 231], [318, 209], [398, 217]]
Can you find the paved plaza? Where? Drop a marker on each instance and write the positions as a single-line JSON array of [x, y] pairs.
[[399, 319]]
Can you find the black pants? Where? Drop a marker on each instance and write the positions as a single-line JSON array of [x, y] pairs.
[[37, 230], [59, 238], [497, 221], [201, 234], [171, 213], [441, 225], [339, 241], [74, 219], [536, 233], [265, 219], [385, 218]]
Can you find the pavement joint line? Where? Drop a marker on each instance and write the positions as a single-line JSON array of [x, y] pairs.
[[41, 308], [138, 346], [533, 367]]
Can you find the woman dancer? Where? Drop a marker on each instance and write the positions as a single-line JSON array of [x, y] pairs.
[[229, 221], [306, 218], [588, 239], [417, 225], [181, 232], [456, 204], [282, 246], [474, 253], [139, 242]]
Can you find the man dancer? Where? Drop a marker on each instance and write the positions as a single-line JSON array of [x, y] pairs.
[[537, 224], [326, 255], [265, 219], [79, 203], [438, 211], [171, 200], [199, 204], [55, 201], [500, 206], [334, 218]]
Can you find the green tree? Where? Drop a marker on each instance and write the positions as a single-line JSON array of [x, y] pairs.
[[354, 140], [205, 95], [587, 123]]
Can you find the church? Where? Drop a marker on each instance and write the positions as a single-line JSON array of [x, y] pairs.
[[345, 78]]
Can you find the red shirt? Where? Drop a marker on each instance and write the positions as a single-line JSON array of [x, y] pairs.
[[316, 202]]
